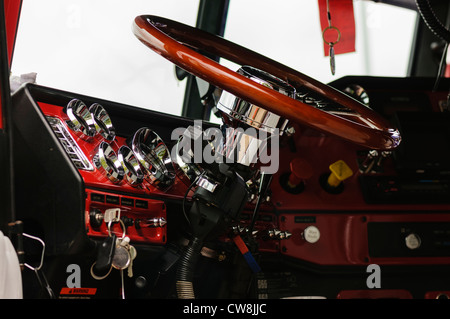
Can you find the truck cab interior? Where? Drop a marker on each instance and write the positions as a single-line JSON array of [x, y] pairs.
[[222, 149]]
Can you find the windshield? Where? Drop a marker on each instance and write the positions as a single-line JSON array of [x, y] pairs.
[[87, 47], [291, 34]]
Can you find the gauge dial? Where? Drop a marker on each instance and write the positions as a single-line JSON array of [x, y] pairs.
[[106, 160], [79, 119], [154, 156], [102, 121], [134, 174]]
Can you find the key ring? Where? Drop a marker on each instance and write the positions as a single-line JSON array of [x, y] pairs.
[[330, 28], [121, 224], [95, 276]]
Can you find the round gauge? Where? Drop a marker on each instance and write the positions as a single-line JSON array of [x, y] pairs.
[[80, 119], [133, 171], [358, 92], [106, 160], [103, 123], [154, 156]]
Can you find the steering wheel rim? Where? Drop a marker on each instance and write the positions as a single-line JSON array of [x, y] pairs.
[[178, 43]]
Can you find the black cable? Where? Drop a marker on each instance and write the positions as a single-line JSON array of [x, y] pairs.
[[438, 29], [441, 70], [432, 21], [184, 199]]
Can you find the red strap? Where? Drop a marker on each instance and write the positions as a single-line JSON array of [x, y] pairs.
[[342, 17], [240, 244]]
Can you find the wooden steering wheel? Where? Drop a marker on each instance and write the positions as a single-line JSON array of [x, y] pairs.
[[181, 44]]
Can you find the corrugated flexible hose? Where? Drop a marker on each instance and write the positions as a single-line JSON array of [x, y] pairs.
[[185, 270]]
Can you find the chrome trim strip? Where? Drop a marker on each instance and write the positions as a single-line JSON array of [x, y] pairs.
[[70, 146]]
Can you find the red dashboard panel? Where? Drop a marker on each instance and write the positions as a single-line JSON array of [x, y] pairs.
[[344, 238], [144, 218]]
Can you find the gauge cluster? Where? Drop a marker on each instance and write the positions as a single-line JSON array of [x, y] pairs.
[[119, 172], [143, 157]]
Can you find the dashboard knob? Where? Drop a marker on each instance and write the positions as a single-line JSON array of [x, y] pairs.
[[413, 241], [311, 234], [294, 181], [332, 182], [339, 172], [300, 170]]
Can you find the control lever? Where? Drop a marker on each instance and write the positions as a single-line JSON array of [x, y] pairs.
[[105, 254], [264, 183]]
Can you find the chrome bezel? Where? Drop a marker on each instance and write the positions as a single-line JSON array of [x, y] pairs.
[[102, 121], [134, 175], [154, 156], [107, 162], [79, 119]]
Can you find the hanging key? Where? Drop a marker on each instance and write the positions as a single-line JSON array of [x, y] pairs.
[[133, 254], [332, 61], [112, 215], [332, 44]]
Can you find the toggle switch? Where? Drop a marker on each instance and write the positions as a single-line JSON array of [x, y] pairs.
[[332, 182], [294, 182]]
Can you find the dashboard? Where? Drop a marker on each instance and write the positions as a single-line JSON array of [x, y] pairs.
[[89, 168]]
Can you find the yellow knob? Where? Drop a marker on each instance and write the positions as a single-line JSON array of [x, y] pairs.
[[339, 172]]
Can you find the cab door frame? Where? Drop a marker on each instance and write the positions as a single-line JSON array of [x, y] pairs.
[[9, 19]]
